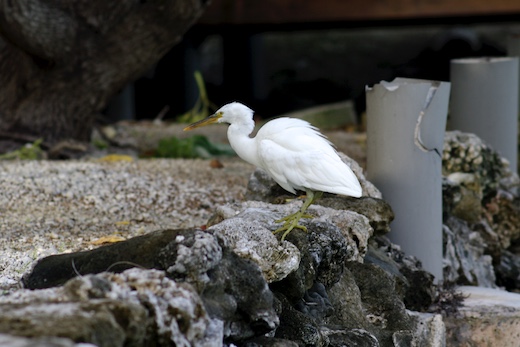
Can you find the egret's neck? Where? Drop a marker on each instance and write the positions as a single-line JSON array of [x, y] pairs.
[[244, 146]]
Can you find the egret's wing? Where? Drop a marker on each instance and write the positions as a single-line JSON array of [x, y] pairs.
[[299, 157]]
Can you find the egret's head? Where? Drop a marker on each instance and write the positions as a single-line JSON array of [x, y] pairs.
[[234, 112]]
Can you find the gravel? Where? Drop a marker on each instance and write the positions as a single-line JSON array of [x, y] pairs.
[[49, 207]]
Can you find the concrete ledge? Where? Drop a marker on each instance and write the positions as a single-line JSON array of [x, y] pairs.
[[490, 317]]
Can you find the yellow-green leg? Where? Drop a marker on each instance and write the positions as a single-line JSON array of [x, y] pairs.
[[291, 221]]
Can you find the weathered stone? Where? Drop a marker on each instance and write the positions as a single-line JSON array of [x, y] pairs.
[[430, 329], [134, 308], [467, 153], [502, 215], [324, 250], [354, 227], [413, 283], [508, 271], [17, 341], [238, 295], [261, 187], [264, 341], [345, 298], [465, 261], [247, 228], [232, 288], [378, 212], [315, 303], [353, 337], [384, 308], [489, 317], [189, 257], [298, 327], [481, 189], [466, 196], [248, 232]]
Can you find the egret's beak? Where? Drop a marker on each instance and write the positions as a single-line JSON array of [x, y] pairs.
[[206, 121]]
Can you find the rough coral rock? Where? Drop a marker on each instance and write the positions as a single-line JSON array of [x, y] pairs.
[[113, 310], [464, 254], [192, 256], [482, 192], [247, 230]]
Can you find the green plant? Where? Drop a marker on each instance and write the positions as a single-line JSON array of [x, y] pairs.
[[29, 151], [197, 146], [203, 105]]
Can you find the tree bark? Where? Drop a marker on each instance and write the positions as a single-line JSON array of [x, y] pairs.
[[61, 61]]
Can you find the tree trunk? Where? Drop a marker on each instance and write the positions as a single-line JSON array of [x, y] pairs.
[[61, 61]]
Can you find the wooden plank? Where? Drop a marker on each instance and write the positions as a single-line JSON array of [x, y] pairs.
[[313, 11]]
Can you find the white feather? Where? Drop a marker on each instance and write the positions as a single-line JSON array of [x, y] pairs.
[[293, 152]]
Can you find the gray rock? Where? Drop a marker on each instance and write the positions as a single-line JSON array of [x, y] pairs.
[[265, 341], [233, 289], [247, 230], [430, 329], [464, 255], [189, 256], [349, 312], [489, 317], [17, 341], [481, 205], [321, 302], [413, 283], [508, 271], [324, 250], [463, 196], [378, 212], [134, 308], [239, 296], [298, 327], [467, 153], [353, 337], [500, 225], [383, 307]]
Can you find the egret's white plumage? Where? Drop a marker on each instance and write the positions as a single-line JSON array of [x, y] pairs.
[[293, 152]]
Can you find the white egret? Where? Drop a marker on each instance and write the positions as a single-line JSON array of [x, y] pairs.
[[292, 151]]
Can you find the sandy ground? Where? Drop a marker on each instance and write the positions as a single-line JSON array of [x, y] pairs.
[[54, 207]]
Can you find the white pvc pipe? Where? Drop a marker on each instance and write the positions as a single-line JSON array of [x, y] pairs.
[[406, 120], [484, 101]]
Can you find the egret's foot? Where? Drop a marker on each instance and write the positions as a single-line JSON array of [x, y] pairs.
[[297, 215], [290, 222]]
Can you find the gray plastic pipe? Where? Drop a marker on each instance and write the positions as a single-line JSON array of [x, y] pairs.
[[513, 50], [406, 121], [484, 101]]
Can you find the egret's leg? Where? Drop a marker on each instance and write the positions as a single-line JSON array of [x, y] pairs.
[[291, 221]]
